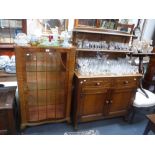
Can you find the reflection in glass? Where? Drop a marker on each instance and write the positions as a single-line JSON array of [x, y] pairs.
[[87, 22], [46, 26], [9, 28]]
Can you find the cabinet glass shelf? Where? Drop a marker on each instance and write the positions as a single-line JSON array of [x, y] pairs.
[[103, 50]]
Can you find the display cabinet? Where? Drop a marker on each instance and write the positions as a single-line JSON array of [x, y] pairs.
[[44, 77], [106, 24], [102, 94], [96, 23], [9, 28]]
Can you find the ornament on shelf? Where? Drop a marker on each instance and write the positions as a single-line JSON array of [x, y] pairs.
[[142, 46], [22, 39], [65, 36]]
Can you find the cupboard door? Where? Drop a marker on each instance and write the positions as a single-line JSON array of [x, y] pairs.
[[46, 85], [3, 122], [92, 104], [120, 101]]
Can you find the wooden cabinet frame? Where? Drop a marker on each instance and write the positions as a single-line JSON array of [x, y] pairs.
[[24, 88], [117, 92], [106, 101]]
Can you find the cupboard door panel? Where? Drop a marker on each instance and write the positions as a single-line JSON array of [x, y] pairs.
[[93, 103], [33, 114], [60, 111], [3, 123], [51, 114], [120, 101]]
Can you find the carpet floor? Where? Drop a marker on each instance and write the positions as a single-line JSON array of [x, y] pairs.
[[114, 126]]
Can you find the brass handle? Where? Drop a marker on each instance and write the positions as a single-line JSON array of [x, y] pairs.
[[107, 102], [84, 80], [126, 82], [81, 82], [47, 50], [111, 101], [135, 79], [98, 84]]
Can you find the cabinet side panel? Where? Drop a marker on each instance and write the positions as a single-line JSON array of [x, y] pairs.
[[20, 73], [71, 64]]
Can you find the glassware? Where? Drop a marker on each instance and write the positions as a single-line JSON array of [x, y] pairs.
[[111, 45], [22, 39], [142, 46], [11, 66], [86, 44], [4, 60], [79, 43], [102, 66]]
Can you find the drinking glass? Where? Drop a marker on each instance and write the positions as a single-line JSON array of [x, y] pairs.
[[79, 43]]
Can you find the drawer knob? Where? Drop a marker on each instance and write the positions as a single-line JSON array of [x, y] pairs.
[[126, 82], [111, 101], [135, 79], [47, 50], [98, 84], [84, 80], [81, 82], [107, 102]]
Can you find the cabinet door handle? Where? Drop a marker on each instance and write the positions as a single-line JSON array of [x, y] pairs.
[[81, 82], [126, 82], [98, 84], [111, 101], [107, 102]]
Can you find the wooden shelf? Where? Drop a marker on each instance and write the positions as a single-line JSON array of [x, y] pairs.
[[103, 31], [142, 54], [4, 74], [45, 47], [6, 46], [102, 50], [101, 76]]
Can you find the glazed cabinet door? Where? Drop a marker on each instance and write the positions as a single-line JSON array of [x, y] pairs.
[[44, 78], [120, 101], [44, 81], [46, 85], [93, 104]]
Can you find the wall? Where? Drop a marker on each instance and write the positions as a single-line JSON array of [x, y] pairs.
[[149, 29], [147, 34]]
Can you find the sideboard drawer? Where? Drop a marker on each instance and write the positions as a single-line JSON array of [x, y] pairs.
[[96, 83], [126, 82]]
